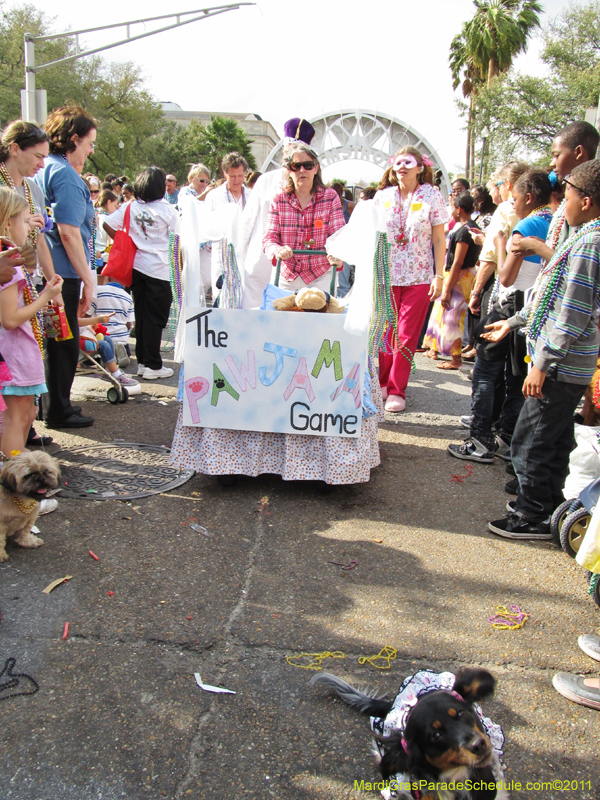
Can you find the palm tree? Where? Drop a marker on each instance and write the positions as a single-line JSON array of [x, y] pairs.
[[486, 46], [499, 31], [466, 73]]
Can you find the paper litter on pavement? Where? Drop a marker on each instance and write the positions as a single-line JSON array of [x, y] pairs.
[[207, 688]]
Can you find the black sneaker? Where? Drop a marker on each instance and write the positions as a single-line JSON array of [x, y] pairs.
[[514, 526], [502, 448], [472, 450], [512, 487], [510, 470]]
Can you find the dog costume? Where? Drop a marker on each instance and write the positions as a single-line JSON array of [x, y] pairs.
[[423, 682]]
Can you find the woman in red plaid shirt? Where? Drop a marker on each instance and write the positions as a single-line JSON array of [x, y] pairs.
[[302, 217]]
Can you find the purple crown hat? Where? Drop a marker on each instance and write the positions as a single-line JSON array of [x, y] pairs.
[[298, 128]]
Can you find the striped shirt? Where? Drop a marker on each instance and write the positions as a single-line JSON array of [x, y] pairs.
[[112, 297], [567, 345]]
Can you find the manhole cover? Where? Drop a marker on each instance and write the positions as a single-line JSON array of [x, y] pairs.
[[119, 471]]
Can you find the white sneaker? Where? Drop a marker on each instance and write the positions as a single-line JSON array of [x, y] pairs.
[[141, 369], [153, 374], [47, 506], [132, 386]]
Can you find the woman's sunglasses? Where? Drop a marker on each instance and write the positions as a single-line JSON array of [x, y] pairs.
[[296, 166]]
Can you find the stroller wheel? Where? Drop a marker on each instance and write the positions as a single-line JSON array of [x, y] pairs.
[[594, 589], [573, 530], [124, 395], [559, 515], [112, 395]]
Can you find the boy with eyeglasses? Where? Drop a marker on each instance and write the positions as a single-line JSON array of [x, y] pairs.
[[561, 324], [572, 146]]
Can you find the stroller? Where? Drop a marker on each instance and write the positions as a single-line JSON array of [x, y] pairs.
[[91, 362], [570, 521]]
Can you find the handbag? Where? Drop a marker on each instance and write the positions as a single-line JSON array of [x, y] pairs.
[[122, 253]]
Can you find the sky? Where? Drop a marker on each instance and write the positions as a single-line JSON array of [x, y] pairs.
[[283, 59]]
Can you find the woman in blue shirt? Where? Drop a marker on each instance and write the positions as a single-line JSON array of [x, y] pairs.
[[72, 133]]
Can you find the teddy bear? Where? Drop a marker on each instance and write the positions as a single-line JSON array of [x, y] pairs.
[[309, 299]]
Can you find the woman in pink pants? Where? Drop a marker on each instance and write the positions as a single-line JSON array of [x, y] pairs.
[[415, 215]]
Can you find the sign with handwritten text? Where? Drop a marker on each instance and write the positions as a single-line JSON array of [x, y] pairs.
[[277, 371]]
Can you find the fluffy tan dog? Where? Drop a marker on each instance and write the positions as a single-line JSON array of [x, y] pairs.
[[24, 481]]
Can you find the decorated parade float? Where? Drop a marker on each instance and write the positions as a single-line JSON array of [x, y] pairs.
[[270, 390]]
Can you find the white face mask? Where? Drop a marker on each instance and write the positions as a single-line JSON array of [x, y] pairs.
[[407, 161]]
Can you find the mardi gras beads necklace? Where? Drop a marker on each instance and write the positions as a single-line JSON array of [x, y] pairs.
[[37, 321], [232, 280], [231, 198], [556, 225], [401, 238], [175, 281], [549, 281], [6, 180], [383, 334]]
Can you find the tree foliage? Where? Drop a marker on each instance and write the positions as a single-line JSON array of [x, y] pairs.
[[485, 48], [499, 31], [524, 112], [115, 95], [210, 143]]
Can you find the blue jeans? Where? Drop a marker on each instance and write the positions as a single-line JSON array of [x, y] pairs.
[[486, 375], [344, 283], [106, 349], [541, 446]]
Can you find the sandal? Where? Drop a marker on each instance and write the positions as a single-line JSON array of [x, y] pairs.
[[35, 440], [450, 365]]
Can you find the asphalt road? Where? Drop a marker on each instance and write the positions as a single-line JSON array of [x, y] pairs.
[[118, 713]]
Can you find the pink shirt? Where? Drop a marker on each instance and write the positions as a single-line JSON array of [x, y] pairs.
[[19, 347], [412, 264]]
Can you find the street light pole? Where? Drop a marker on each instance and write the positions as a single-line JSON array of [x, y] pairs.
[[484, 136], [121, 146], [33, 103]]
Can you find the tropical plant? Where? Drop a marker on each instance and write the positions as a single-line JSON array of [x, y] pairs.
[[210, 143], [469, 76], [486, 47], [499, 31], [524, 112]]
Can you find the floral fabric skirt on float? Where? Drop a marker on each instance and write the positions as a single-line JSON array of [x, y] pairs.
[[333, 459]]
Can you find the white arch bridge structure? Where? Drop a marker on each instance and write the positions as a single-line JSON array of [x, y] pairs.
[[360, 135]]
